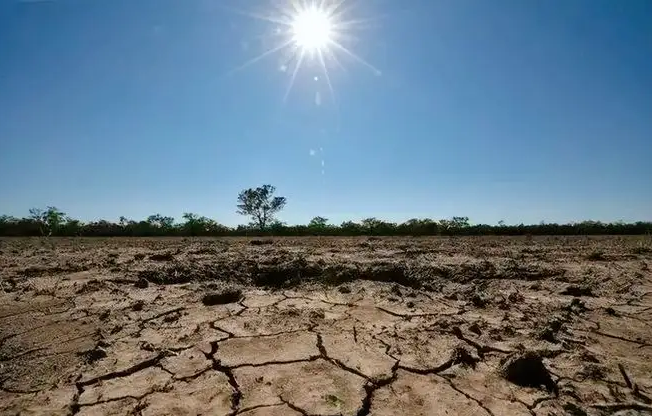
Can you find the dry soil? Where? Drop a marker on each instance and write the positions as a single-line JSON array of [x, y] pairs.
[[326, 326]]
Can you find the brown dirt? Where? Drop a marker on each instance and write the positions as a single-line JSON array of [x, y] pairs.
[[325, 326]]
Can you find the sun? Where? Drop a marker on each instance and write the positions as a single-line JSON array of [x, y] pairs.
[[309, 32], [312, 29]]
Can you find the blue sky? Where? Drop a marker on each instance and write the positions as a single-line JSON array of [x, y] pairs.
[[515, 110]]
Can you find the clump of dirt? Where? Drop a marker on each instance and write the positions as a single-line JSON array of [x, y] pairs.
[[463, 357], [205, 250], [261, 242], [93, 355], [596, 256], [92, 285], [467, 272], [38, 271], [179, 273], [222, 297], [141, 283], [515, 270], [281, 272], [9, 285], [526, 369], [339, 273], [576, 306], [573, 409], [549, 330], [576, 290], [478, 300], [344, 289], [610, 311], [592, 371], [390, 272], [167, 256]]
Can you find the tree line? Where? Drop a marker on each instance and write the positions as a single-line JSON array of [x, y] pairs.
[[261, 206]]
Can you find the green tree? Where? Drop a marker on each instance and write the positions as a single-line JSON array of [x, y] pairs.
[[198, 226], [318, 222], [159, 221], [260, 204], [49, 220]]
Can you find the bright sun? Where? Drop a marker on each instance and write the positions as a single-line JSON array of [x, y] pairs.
[[312, 29], [309, 32]]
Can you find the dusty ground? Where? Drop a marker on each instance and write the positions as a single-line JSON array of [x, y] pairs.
[[411, 326]]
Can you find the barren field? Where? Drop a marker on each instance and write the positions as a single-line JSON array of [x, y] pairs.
[[326, 326]]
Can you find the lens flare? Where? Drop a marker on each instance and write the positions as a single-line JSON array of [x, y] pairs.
[[309, 32]]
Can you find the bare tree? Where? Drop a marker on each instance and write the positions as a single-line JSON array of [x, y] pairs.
[[260, 204]]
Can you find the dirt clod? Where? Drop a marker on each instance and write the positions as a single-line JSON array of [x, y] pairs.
[[463, 357], [93, 355], [162, 256], [141, 283], [261, 242], [576, 290], [222, 297], [475, 328], [344, 289]]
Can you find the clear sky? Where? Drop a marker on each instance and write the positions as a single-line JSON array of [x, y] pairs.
[[515, 110]]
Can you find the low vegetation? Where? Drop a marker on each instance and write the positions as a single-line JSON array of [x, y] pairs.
[[261, 206]]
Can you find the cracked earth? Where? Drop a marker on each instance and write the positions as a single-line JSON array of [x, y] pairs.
[[331, 326]]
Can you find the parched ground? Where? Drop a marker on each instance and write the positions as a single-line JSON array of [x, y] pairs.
[[326, 326]]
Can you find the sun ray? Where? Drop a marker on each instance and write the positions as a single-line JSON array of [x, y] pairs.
[[328, 78], [294, 74], [333, 57], [280, 19], [311, 31], [357, 58], [363, 21], [258, 58]]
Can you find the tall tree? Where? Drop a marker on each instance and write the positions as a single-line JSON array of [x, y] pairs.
[[49, 219], [260, 204]]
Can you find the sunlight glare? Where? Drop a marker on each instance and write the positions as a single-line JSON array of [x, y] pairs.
[[312, 29], [309, 32]]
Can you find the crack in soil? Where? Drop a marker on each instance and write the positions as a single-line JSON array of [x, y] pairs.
[[323, 354], [371, 387], [468, 396], [481, 349], [365, 315], [236, 396], [162, 314], [293, 407], [633, 341], [127, 371]]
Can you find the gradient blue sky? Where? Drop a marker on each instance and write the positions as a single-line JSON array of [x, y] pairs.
[[515, 110]]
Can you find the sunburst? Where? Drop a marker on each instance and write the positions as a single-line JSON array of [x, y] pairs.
[[309, 30]]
